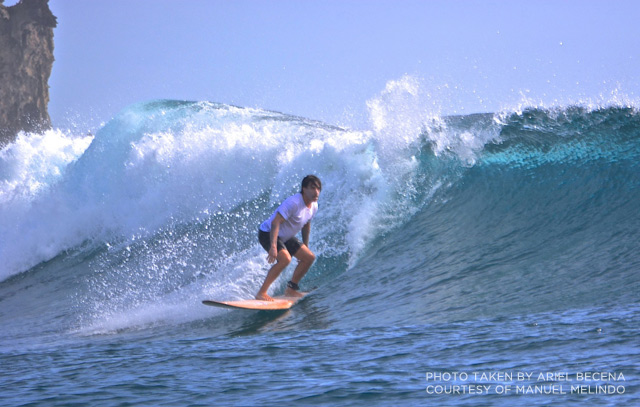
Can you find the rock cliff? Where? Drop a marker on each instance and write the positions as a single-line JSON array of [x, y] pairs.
[[26, 59]]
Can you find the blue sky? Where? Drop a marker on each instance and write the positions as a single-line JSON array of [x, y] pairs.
[[324, 59]]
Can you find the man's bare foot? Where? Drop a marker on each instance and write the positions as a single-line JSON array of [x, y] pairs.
[[263, 297], [290, 292]]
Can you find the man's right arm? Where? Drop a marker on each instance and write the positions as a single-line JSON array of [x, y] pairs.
[[275, 228]]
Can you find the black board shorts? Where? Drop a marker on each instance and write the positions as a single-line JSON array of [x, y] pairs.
[[292, 245]]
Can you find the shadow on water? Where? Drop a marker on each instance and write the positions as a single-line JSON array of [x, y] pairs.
[[259, 321]]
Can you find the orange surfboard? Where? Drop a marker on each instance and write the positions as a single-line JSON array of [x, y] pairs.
[[278, 303]]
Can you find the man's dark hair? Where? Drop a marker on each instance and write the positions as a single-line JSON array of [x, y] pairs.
[[311, 180]]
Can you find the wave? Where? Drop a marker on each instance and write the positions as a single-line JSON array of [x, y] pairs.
[[164, 201]]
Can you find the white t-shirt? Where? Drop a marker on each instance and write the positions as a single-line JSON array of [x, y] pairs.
[[295, 214]]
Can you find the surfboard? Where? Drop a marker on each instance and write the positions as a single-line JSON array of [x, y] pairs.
[[278, 303]]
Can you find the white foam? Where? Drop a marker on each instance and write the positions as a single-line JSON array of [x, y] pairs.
[[35, 162]]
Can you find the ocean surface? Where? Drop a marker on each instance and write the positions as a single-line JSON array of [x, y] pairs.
[[486, 259]]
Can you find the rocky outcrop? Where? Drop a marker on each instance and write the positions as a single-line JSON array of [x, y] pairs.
[[26, 59]]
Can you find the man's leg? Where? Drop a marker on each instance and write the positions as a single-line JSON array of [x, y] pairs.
[[283, 260], [305, 260]]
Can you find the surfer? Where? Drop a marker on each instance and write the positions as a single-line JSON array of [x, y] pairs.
[[278, 237]]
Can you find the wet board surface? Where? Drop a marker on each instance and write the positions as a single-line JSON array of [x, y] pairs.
[[279, 303]]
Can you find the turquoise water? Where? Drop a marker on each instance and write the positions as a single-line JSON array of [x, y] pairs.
[[453, 254]]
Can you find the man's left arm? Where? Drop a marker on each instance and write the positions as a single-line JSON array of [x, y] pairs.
[[306, 231]]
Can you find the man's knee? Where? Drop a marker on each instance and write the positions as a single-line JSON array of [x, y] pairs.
[[284, 257], [306, 255]]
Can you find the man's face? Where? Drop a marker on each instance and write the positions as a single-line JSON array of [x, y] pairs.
[[311, 192]]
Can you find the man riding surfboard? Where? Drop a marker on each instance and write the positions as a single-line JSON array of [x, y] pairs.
[[278, 237]]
